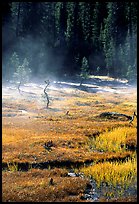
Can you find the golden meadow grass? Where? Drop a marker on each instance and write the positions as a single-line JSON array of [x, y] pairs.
[[112, 140], [24, 135], [113, 173]]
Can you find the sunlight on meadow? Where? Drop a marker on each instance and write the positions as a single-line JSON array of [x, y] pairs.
[[113, 173], [112, 141], [103, 149]]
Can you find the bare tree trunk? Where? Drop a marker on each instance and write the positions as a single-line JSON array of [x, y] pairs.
[[81, 81], [19, 87], [47, 84]]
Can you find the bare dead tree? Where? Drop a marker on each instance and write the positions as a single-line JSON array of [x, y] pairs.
[[47, 97], [67, 113], [19, 87], [133, 116]]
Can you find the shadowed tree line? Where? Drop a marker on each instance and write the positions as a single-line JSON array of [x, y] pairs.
[[58, 38]]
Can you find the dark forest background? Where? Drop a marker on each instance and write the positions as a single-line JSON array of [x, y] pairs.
[[54, 37]]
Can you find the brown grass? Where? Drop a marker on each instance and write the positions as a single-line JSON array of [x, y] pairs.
[[34, 186], [24, 135]]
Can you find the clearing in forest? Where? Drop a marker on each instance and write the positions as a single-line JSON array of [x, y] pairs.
[[68, 151]]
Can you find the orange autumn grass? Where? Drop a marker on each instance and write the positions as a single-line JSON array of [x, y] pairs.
[[74, 139]]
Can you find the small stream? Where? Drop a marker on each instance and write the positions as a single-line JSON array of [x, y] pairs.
[[93, 193]]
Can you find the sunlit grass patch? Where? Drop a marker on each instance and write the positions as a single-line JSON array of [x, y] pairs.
[[113, 173], [112, 140]]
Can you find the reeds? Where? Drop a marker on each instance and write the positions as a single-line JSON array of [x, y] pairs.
[[112, 141], [113, 173]]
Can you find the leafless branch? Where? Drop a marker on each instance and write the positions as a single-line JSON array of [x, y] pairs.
[[47, 84]]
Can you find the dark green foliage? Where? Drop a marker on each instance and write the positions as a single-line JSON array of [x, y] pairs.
[[55, 37], [84, 70]]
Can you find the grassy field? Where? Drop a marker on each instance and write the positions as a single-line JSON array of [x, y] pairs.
[[101, 149]]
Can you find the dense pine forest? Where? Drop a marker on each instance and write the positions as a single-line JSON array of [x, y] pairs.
[[69, 101], [59, 38]]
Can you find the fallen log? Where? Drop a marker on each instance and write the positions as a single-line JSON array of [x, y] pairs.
[[113, 114]]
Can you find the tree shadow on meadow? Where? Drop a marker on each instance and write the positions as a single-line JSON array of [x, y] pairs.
[[92, 85]]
